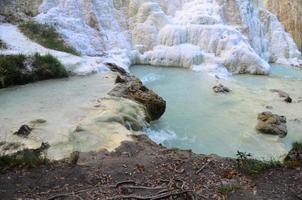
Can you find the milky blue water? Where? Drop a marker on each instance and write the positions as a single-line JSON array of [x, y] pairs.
[[197, 118]]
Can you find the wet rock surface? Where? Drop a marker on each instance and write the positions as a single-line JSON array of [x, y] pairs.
[[24, 131], [269, 123], [283, 95], [221, 89], [132, 88]]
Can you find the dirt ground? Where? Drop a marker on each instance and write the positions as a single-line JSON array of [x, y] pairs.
[[144, 170]]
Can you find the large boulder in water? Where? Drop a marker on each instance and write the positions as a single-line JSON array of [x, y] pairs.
[[269, 123], [132, 88]]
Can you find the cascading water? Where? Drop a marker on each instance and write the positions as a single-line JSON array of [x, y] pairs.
[[182, 33]]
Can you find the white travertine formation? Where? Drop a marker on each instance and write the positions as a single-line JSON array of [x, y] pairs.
[[236, 34]]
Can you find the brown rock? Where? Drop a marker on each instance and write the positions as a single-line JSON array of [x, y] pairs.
[[269, 123], [132, 88]]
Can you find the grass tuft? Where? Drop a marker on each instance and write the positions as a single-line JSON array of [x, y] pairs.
[[46, 36], [247, 164], [225, 189], [21, 69]]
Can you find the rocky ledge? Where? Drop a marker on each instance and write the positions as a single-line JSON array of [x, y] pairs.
[[132, 88]]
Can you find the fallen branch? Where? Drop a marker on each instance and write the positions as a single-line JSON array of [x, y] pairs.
[[125, 182], [202, 168], [181, 171], [65, 195], [155, 197], [295, 194], [72, 193], [144, 188]]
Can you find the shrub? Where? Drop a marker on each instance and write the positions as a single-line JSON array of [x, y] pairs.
[[46, 36], [294, 156], [2, 45], [47, 67], [13, 70], [247, 164], [21, 69], [297, 145], [24, 158]]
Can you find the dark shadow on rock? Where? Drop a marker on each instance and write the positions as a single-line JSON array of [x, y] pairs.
[[130, 87]]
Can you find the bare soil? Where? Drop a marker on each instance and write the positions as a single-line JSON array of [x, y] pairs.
[[142, 169]]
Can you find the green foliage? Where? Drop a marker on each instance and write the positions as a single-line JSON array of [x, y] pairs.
[[24, 158], [2, 45], [13, 70], [47, 67], [297, 146], [21, 69], [46, 36], [247, 164], [293, 158], [225, 189]]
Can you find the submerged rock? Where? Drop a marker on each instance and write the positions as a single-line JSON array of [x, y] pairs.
[[269, 123], [288, 99], [132, 88], [283, 94], [221, 89], [38, 121], [23, 131]]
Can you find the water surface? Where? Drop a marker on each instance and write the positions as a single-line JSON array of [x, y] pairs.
[[198, 119]]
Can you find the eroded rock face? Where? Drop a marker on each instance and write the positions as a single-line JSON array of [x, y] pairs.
[[132, 88], [19, 10], [269, 123], [289, 13]]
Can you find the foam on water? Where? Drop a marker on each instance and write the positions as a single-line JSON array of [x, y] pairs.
[[212, 123], [160, 136]]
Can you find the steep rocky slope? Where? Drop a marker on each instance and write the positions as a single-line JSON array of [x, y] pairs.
[[290, 14], [19, 10]]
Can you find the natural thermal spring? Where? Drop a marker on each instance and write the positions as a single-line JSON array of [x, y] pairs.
[[151, 99], [196, 118]]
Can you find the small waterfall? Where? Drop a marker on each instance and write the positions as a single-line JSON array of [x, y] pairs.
[[236, 34]]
